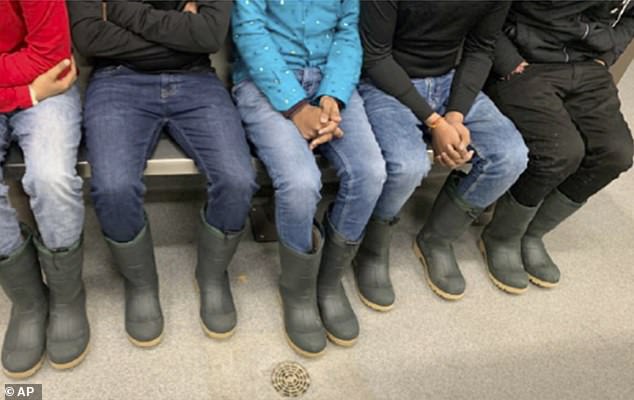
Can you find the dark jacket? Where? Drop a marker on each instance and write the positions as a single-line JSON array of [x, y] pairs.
[[564, 32], [152, 36]]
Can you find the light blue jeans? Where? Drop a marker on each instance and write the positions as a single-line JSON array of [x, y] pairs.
[[49, 136], [500, 153], [295, 174]]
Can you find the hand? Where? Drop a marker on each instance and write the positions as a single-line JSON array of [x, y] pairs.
[[330, 115], [456, 119], [50, 84], [517, 71], [307, 121], [191, 7]]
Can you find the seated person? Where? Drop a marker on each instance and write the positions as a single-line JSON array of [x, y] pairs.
[[152, 73], [552, 80], [40, 111], [416, 91], [297, 69]]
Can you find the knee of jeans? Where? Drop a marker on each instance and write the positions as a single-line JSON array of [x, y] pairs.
[[115, 191], [408, 172], [368, 176], [52, 181], [241, 185], [299, 191]]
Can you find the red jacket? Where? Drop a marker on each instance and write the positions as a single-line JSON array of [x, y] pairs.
[[34, 36]]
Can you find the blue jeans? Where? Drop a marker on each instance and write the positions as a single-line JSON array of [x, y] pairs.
[[500, 154], [125, 112], [49, 135], [295, 174]]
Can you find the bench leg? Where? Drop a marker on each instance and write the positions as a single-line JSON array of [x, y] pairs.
[[263, 221], [20, 201]]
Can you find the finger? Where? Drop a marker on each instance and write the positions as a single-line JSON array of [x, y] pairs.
[[320, 140], [325, 113], [338, 133], [469, 156], [451, 152], [59, 68], [70, 78], [330, 128], [440, 161], [334, 113], [448, 161]]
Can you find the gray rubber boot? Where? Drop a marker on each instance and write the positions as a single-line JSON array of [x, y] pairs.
[[24, 345], [215, 251], [372, 266], [298, 289], [68, 332], [501, 244], [143, 315], [449, 218], [340, 322], [541, 269]]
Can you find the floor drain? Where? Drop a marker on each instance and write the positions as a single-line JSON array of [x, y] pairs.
[[290, 379]]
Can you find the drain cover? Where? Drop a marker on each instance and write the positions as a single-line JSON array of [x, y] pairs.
[[290, 379]]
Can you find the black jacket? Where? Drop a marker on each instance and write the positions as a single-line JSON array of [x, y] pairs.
[[564, 32], [152, 36]]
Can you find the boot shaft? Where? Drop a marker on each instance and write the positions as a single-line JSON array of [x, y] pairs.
[[135, 259], [63, 271], [450, 215], [300, 270], [377, 239], [337, 256], [555, 208], [510, 220], [215, 251], [21, 278]]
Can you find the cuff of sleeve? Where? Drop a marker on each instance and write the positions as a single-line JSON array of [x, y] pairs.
[[609, 57], [342, 95], [460, 104], [417, 104], [504, 66], [23, 97], [290, 113]]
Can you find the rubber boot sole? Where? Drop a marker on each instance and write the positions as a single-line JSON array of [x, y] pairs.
[[146, 344], [207, 331], [25, 374], [341, 342], [368, 303], [70, 364], [434, 288], [541, 283], [496, 282]]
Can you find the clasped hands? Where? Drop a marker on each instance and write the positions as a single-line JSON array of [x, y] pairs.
[[450, 139], [319, 125]]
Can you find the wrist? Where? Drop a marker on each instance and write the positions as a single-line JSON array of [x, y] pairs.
[[454, 117], [33, 94], [296, 109], [433, 121]]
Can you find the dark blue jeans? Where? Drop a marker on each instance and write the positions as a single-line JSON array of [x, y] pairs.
[[125, 112]]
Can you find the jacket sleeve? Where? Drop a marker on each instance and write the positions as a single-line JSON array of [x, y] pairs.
[[343, 68], [506, 57], [622, 34], [477, 58], [258, 51], [13, 98], [204, 32], [95, 37], [378, 23], [47, 43]]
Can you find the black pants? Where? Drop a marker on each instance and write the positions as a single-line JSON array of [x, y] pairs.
[[570, 118]]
